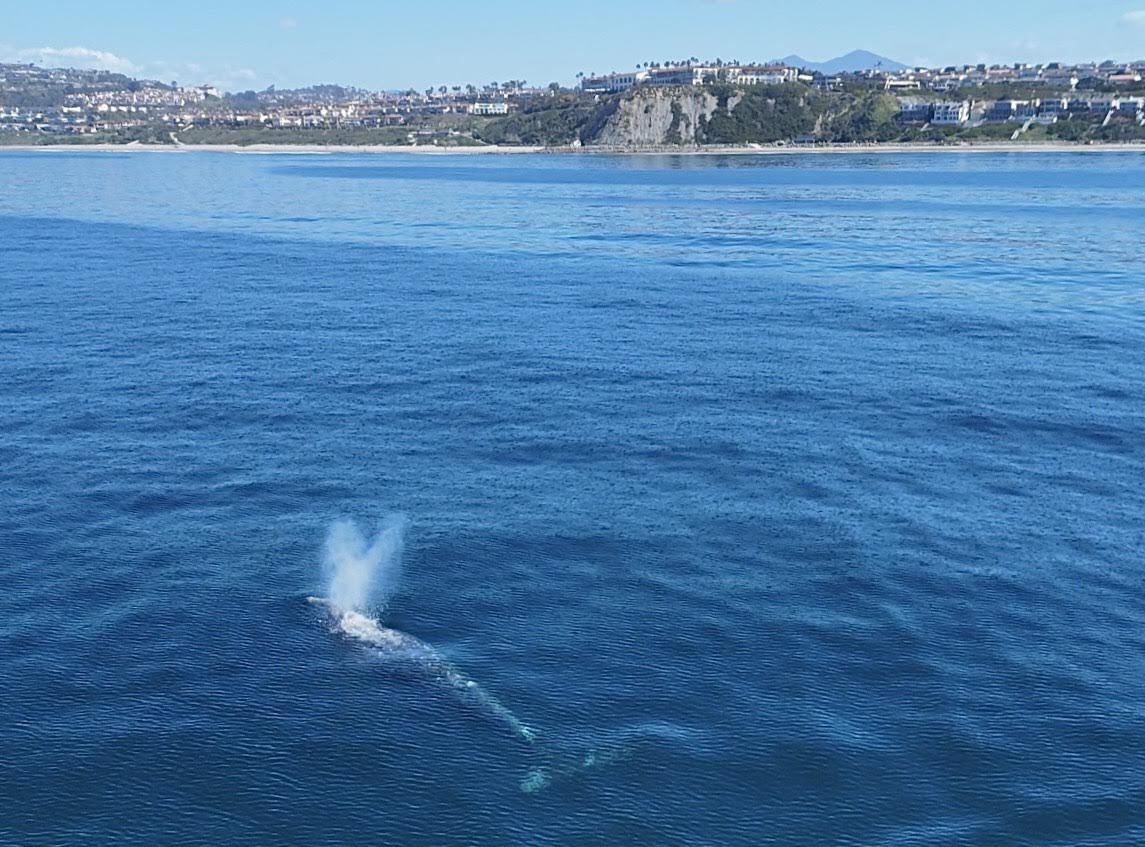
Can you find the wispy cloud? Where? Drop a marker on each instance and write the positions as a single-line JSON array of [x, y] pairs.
[[1136, 18], [184, 73], [231, 79], [78, 57], [236, 75], [288, 23]]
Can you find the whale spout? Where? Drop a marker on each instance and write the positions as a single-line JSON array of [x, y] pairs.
[[360, 571]]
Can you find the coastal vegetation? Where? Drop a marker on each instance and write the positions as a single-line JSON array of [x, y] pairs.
[[550, 122], [762, 114], [149, 134], [716, 114], [357, 136], [724, 114]]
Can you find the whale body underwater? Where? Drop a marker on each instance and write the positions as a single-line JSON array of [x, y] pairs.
[[400, 646], [359, 570]]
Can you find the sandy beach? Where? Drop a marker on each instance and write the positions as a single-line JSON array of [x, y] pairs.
[[745, 150], [276, 149]]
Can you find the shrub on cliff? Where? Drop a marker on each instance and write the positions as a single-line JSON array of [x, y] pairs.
[[762, 114]]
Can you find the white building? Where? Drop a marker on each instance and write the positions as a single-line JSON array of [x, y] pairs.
[[614, 82], [1104, 103], [682, 75], [1061, 79], [1132, 105], [952, 113], [901, 84], [762, 75], [1027, 109], [489, 109], [752, 78]]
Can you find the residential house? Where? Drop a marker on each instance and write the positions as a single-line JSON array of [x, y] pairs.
[[951, 112]]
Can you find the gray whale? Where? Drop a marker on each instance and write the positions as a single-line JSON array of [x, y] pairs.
[[399, 645]]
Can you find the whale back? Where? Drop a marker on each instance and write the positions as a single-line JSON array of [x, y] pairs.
[[395, 644]]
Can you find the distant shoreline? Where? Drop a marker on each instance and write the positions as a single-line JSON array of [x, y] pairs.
[[739, 150]]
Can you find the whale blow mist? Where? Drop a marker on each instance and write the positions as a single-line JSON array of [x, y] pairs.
[[360, 572]]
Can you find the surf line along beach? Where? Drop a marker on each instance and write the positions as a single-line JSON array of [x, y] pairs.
[[712, 150]]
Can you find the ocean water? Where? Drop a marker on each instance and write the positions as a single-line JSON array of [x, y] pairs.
[[787, 500]]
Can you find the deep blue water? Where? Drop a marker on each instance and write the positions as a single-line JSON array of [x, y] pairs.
[[791, 500]]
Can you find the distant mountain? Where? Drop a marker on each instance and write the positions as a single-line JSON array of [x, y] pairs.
[[856, 60]]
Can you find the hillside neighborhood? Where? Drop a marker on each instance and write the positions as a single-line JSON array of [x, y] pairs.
[[39, 104]]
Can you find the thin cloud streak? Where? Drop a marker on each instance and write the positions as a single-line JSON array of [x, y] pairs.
[[77, 57]]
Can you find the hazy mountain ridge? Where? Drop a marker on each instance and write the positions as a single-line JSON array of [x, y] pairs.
[[856, 60]]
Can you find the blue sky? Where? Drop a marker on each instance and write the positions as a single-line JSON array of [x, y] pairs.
[[242, 44]]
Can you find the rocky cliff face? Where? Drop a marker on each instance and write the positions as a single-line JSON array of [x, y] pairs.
[[652, 117]]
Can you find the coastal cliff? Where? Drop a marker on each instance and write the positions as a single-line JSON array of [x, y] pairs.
[[725, 115], [656, 117], [690, 116]]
